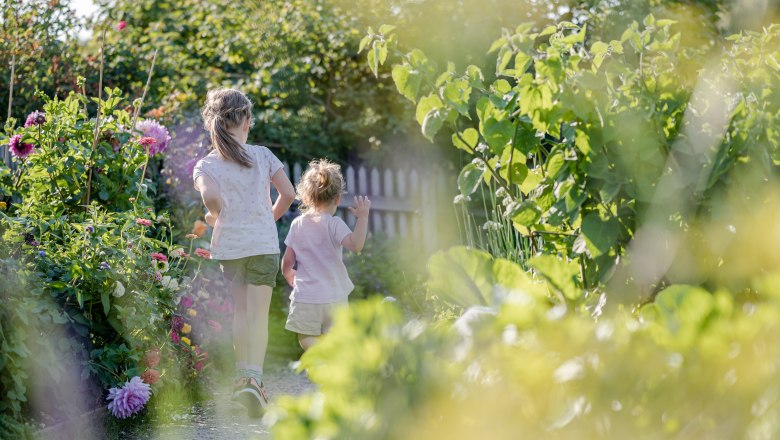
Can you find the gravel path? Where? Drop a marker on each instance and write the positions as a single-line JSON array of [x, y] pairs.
[[222, 419]]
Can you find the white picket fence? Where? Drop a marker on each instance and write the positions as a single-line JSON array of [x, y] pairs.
[[403, 202]]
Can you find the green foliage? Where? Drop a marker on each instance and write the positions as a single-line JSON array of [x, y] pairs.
[[694, 363], [386, 267], [579, 140], [295, 59], [41, 61], [83, 288]]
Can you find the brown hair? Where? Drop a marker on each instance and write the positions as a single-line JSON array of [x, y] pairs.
[[322, 183], [224, 110]]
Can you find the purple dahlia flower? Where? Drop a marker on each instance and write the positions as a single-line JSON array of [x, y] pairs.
[[128, 400], [153, 129], [19, 148], [35, 118]]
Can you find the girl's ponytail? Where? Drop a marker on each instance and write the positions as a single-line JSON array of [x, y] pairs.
[[224, 110]]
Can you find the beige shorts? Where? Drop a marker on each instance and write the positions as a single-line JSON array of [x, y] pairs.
[[311, 319]]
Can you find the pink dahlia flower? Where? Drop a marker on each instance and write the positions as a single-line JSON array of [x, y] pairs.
[[153, 129], [128, 400], [150, 376], [152, 358], [19, 148], [186, 302], [203, 253], [159, 257], [35, 118]]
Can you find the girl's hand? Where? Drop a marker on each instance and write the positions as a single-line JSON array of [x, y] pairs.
[[362, 206], [290, 277], [211, 219]]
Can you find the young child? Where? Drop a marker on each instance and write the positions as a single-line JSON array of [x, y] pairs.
[[234, 181], [314, 244]]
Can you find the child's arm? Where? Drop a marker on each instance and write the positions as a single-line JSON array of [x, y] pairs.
[[286, 193], [288, 262], [357, 238], [209, 192]]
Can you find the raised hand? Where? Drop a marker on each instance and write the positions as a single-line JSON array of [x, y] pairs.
[[361, 208]]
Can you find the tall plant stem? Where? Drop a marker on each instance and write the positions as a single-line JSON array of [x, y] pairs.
[[10, 101], [143, 174], [146, 89], [97, 119]]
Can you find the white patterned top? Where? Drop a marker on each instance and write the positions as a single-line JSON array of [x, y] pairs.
[[245, 226]]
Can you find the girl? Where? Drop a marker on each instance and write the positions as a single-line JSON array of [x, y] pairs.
[[234, 182], [315, 243]]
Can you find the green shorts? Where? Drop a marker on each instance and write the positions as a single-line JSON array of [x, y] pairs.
[[259, 270]]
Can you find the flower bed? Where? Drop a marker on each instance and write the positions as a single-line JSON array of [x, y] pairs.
[[90, 263]]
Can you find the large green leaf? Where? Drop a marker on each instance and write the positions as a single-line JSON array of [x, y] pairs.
[[407, 80], [469, 178], [527, 213], [425, 105], [462, 276], [600, 235], [467, 140], [564, 276], [433, 122]]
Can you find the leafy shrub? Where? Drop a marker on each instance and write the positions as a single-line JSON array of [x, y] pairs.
[[40, 62], [311, 92], [692, 364], [589, 144], [384, 267], [89, 262]]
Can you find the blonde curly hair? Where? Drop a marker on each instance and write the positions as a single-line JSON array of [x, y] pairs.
[[321, 184]]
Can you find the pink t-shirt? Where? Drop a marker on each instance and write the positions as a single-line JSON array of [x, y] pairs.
[[321, 276], [246, 225]]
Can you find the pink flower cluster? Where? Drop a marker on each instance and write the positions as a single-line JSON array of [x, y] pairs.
[[35, 118], [143, 222], [152, 129], [203, 253], [128, 400], [159, 257]]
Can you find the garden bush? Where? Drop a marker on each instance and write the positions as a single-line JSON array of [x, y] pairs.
[[91, 264], [586, 146]]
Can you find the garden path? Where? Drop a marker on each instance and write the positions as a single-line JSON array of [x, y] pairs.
[[222, 419]]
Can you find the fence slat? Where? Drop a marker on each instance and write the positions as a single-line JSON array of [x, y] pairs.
[[389, 192], [362, 182], [400, 179], [351, 188], [376, 217], [414, 187]]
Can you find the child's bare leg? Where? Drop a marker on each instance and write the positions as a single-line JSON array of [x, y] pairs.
[[238, 291], [307, 341], [258, 302]]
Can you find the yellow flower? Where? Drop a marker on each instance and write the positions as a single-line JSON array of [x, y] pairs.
[[192, 312], [3, 205], [186, 340], [186, 328]]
